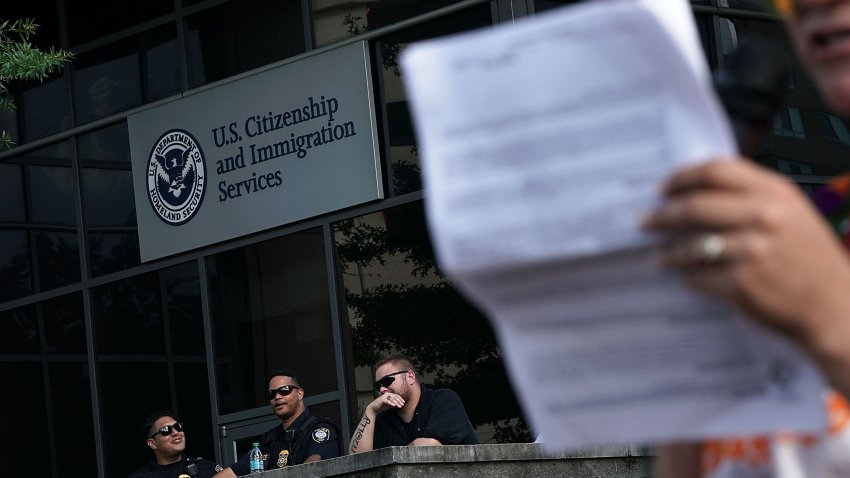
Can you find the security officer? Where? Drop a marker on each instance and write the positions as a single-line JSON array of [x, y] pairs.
[[300, 438], [407, 413], [164, 435]]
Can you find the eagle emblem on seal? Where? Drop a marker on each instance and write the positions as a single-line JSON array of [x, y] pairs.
[[176, 177]]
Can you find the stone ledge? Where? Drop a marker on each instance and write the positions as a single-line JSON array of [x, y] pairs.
[[470, 461]]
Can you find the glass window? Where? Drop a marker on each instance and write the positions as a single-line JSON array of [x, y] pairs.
[[124, 74], [70, 398], [51, 185], [58, 256], [27, 416], [44, 108], [182, 309], [108, 202], [64, 326], [335, 20], [270, 310], [109, 144], [403, 168], [52, 189], [833, 127], [150, 339], [15, 265], [12, 205], [543, 5], [106, 85], [735, 31], [19, 333], [69, 393], [128, 316], [193, 398], [705, 30], [108, 197], [397, 302], [112, 251], [788, 122], [68, 384], [757, 5], [793, 167], [728, 36], [161, 64], [238, 36], [91, 19], [40, 188], [128, 392], [124, 414]]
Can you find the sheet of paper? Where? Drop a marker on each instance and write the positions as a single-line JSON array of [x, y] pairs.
[[543, 143]]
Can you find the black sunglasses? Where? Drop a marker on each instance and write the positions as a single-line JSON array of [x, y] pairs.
[[283, 391], [387, 380], [166, 430]]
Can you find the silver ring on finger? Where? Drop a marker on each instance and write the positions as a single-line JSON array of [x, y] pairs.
[[710, 249]]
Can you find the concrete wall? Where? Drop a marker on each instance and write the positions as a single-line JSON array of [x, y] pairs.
[[515, 460]]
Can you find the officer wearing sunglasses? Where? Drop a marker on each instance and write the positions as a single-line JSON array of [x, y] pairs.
[[165, 436], [300, 438], [407, 413]]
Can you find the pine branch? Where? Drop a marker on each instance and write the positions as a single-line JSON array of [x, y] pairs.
[[21, 61]]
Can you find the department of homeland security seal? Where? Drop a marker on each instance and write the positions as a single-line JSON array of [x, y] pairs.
[[176, 177]]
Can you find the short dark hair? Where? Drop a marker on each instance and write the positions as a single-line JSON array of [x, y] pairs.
[[402, 361], [285, 372], [150, 422]]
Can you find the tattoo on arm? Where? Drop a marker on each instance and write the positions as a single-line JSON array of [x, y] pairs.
[[358, 433]]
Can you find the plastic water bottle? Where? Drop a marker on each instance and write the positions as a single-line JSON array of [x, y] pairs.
[[256, 459]]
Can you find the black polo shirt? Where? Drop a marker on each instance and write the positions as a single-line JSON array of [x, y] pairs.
[[206, 468], [439, 415], [280, 450]]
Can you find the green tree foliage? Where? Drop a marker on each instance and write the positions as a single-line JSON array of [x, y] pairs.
[[21, 61]]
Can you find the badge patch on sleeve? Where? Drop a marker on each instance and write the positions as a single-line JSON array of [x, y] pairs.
[[282, 458], [321, 434]]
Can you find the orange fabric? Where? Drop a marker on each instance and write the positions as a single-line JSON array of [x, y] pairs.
[[839, 413], [755, 451], [784, 7], [841, 184]]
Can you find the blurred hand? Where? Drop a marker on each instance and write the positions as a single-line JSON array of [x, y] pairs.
[[770, 253]]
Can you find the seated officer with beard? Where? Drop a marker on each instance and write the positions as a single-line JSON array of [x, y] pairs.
[[407, 413], [165, 437], [301, 436]]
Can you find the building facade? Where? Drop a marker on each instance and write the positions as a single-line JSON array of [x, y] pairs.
[[92, 338]]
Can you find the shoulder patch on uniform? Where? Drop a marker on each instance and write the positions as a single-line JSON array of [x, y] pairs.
[[321, 434]]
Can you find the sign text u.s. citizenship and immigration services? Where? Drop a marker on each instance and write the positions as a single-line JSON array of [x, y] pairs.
[[272, 127], [284, 144]]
